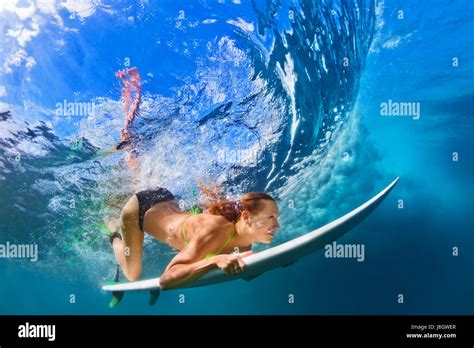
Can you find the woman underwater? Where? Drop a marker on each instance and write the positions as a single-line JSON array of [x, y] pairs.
[[204, 241]]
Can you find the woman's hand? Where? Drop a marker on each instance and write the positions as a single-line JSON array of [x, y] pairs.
[[232, 263]]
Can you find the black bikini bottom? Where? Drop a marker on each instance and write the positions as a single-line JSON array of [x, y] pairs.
[[148, 198]]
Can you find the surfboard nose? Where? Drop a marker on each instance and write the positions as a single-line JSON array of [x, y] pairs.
[[393, 183]]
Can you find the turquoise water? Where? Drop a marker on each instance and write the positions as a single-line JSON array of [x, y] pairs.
[[270, 80]]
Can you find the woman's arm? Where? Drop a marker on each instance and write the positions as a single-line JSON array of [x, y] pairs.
[[184, 268]]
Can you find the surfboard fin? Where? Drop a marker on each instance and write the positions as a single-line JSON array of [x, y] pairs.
[[116, 298], [154, 295]]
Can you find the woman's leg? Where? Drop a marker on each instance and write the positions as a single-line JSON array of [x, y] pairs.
[[128, 251], [130, 81]]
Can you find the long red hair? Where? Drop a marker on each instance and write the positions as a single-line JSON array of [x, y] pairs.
[[215, 203]]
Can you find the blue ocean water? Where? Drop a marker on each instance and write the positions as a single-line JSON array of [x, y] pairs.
[[281, 96]]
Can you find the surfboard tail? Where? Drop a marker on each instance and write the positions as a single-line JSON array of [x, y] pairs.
[[117, 297]]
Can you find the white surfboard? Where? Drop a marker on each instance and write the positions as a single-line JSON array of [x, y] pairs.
[[279, 256]]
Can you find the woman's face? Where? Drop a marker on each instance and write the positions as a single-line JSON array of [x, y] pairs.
[[264, 224]]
